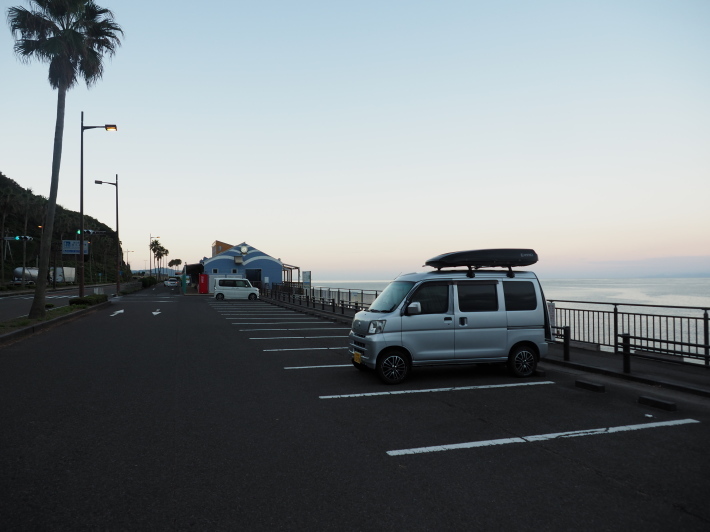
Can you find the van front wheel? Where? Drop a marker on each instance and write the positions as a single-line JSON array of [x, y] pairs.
[[252, 297], [393, 367], [522, 361]]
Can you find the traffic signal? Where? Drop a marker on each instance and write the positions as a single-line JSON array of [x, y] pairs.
[[25, 238]]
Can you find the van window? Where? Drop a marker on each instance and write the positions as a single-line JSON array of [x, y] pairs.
[[477, 297], [519, 295], [227, 282], [241, 284], [434, 298]]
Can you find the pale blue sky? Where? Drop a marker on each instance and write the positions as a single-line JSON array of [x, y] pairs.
[[358, 139]]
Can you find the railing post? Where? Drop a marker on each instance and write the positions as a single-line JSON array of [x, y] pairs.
[[626, 341], [566, 333], [616, 329], [342, 306], [706, 331], [333, 300]]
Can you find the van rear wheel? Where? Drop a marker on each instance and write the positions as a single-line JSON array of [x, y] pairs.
[[522, 361], [219, 297], [393, 367]]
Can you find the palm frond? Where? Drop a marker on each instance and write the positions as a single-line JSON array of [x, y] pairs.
[[73, 36]]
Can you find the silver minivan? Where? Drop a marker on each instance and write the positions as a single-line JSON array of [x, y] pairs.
[[455, 316]]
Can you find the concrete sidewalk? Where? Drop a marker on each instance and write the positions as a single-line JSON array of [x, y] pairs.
[[686, 378]]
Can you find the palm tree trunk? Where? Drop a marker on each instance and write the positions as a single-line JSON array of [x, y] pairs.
[[38, 309]]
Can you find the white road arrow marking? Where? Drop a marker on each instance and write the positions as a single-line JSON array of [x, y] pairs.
[[117, 312], [157, 311]]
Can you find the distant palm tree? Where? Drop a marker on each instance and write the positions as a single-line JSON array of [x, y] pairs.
[[72, 36], [154, 246], [175, 263], [160, 253]]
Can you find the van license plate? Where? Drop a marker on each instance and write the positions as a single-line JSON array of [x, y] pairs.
[[357, 357]]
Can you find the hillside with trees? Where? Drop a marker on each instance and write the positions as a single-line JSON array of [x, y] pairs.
[[22, 213]]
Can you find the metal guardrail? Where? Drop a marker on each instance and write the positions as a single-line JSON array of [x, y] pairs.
[[660, 330], [347, 298], [331, 304]]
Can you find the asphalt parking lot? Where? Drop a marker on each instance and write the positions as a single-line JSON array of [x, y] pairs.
[[178, 413]]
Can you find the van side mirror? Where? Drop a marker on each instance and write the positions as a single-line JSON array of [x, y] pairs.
[[414, 308]]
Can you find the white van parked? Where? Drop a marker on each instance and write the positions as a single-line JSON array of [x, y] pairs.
[[456, 316], [231, 288]]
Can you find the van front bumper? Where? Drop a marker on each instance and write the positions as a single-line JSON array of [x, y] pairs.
[[364, 349]]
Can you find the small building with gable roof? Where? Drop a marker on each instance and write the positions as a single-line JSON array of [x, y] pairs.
[[244, 262]]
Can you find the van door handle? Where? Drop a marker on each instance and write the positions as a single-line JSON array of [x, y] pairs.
[[463, 321], [448, 318]]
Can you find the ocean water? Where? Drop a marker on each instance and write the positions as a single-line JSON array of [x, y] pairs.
[[674, 292]]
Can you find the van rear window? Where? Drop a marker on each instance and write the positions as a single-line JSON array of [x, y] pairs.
[[519, 295]]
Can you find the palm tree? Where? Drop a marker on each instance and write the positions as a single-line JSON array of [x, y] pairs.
[[72, 36], [160, 253], [154, 246], [174, 263]]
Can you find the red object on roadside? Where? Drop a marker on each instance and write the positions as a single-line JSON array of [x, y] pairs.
[[203, 286]]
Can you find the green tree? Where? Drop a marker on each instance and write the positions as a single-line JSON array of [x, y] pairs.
[[72, 36]]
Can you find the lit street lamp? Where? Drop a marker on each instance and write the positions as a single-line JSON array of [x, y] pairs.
[[107, 127], [118, 242]]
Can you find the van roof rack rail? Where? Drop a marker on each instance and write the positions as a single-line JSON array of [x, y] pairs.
[[475, 259]]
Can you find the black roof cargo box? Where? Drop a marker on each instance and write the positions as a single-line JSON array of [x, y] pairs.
[[484, 258]]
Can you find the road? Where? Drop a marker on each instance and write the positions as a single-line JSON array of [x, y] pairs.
[[169, 412], [18, 305]]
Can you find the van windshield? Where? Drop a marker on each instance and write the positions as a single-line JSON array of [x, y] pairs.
[[391, 296]]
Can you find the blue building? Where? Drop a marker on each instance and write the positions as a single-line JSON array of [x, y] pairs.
[[245, 262]]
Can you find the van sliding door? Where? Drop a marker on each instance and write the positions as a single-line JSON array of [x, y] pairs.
[[480, 322]]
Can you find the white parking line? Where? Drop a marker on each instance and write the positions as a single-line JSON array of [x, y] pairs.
[[252, 314], [314, 367], [300, 329], [304, 349], [540, 437], [432, 390], [295, 337], [239, 323], [274, 319]]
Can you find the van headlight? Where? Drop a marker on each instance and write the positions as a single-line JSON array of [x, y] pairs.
[[376, 326]]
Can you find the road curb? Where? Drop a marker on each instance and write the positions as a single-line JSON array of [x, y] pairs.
[[29, 331], [634, 378]]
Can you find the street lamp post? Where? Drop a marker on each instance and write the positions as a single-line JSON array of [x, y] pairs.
[[107, 127], [118, 242], [127, 262]]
